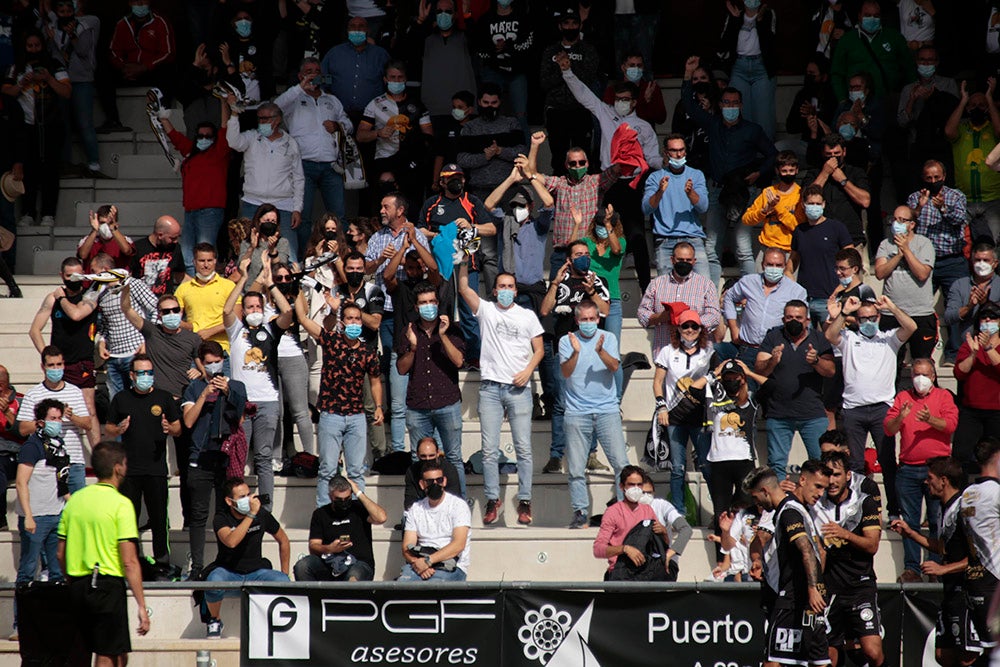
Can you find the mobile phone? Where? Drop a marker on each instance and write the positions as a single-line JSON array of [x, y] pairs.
[[345, 538]]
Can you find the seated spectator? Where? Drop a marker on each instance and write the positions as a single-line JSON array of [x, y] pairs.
[[678, 529], [428, 450], [503, 41], [448, 132], [622, 517], [105, 237], [437, 534], [239, 529], [340, 536], [979, 384], [967, 296]]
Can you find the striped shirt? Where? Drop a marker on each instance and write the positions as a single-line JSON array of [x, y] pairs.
[[585, 196], [696, 291], [123, 339], [381, 240], [69, 395]]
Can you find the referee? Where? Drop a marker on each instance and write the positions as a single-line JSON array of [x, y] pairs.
[[97, 551]]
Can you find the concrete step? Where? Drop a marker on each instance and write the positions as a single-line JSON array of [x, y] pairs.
[[143, 213], [145, 167]]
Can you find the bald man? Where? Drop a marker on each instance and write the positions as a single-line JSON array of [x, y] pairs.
[[158, 261]]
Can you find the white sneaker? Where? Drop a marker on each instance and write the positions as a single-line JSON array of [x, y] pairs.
[[48, 221], [26, 221], [94, 166]]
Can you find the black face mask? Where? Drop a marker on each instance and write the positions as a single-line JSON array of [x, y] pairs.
[[72, 285], [570, 34], [934, 188], [355, 278], [435, 491], [489, 113], [977, 116], [794, 328], [455, 186], [267, 229], [809, 81], [787, 178], [732, 387], [330, 235], [341, 505], [387, 186], [64, 21], [288, 289], [683, 268]]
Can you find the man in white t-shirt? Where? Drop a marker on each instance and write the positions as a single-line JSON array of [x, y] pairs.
[[438, 532], [511, 350], [869, 358]]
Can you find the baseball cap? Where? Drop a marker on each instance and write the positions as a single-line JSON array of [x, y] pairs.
[[451, 169], [520, 197], [689, 316], [866, 294], [732, 367]]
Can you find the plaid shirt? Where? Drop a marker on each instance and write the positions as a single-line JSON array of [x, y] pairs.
[[123, 339], [585, 196], [696, 291], [945, 230], [381, 240]]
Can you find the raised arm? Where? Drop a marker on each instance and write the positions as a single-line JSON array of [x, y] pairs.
[[228, 310], [470, 295]]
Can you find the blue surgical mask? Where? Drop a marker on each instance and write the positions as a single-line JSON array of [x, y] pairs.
[[868, 329], [204, 143], [751, 4], [52, 429], [871, 24], [243, 27], [989, 327], [601, 232], [171, 320], [140, 11], [847, 131], [582, 264], [505, 297], [633, 74], [900, 228], [458, 114], [53, 374], [144, 382], [677, 162], [443, 20], [428, 311], [730, 114], [814, 211], [265, 130], [926, 71], [357, 37], [243, 505], [773, 274], [395, 87], [505, 3], [856, 95], [588, 329], [352, 331], [845, 282]]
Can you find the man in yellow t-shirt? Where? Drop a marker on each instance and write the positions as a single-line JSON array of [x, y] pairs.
[[203, 298], [97, 551], [778, 208]]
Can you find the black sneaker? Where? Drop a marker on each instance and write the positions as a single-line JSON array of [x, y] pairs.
[[579, 520], [214, 628], [112, 126], [553, 467]]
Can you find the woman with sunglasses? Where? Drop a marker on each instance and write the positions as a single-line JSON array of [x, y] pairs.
[[606, 241], [264, 243], [688, 357], [977, 369], [293, 367]]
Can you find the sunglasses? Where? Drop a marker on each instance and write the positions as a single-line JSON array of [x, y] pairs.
[[446, 11], [282, 279], [576, 163], [141, 373], [873, 318], [170, 311], [691, 326], [206, 136], [434, 480], [265, 117]]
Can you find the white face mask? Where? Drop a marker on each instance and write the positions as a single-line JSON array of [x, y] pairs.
[[521, 214], [647, 499], [633, 494], [255, 319], [922, 384], [623, 107], [982, 268], [206, 277], [104, 231]]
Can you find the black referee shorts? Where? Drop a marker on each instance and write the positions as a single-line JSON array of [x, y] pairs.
[[102, 614]]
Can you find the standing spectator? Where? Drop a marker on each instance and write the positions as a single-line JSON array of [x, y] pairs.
[[105, 237], [869, 356], [815, 102], [685, 360], [567, 121], [748, 46], [942, 218], [706, 95], [845, 187], [157, 261], [437, 532], [606, 242], [432, 357], [966, 297], [97, 553], [446, 60], [676, 196], [512, 350], [447, 134], [872, 47], [156, 416], [272, 166], [204, 174], [796, 358], [906, 263], [36, 80], [739, 153], [976, 370], [203, 299], [246, 54], [980, 520], [142, 54], [13, 154], [925, 106], [974, 175], [10, 436], [588, 361], [314, 119], [503, 40], [916, 22], [353, 69], [678, 286], [925, 418], [778, 209], [524, 229], [265, 243], [649, 102]]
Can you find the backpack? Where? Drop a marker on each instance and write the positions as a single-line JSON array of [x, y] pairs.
[[393, 463], [652, 547], [305, 464]]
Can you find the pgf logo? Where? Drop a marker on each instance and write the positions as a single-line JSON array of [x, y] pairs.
[[787, 640], [279, 627]]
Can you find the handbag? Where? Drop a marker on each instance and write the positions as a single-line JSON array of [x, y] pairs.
[[686, 407]]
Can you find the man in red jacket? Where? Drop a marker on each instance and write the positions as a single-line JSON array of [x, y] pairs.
[[142, 54]]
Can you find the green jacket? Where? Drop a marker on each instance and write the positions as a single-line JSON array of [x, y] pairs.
[[851, 56]]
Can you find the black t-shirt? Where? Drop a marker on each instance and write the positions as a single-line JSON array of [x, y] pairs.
[[839, 205], [848, 567], [246, 556], [569, 293], [75, 339], [440, 210], [145, 442], [328, 527], [155, 266], [795, 388], [789, 527], [956, 545], [817, 245], [446, 139]]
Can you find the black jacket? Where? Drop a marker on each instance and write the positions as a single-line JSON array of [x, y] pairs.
[[766, 31]]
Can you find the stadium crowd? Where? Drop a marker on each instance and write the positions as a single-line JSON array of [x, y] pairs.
[[781, 297]]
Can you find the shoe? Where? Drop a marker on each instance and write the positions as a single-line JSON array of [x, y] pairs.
[[524, 512], [111, 126], [13, 637], [492, 512], [471, 365], [579, 520], [214, 628], [553, 467], [48, 221], [595, 465], [193, 574], [947, 363], [910, 577], [13, 292], [26, 221]]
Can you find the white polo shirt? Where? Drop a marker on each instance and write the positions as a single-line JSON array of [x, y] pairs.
[[869, 367]]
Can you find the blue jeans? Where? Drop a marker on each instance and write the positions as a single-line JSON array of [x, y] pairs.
[[665, 250], [679, 436], [515, 91], [260, 437], [336, 433], [468, 322], [946, 272], [77, 477], [613, 324], [257, 576], [751, 79], [319, 176], [817, 311], [495, 399], [552, 394], [580, 432], [407, 574], [397, 385], [42, 542], [117, 369], [313, 568], [200, 226], [82, 99], [912, 491], [284, 223], [448, 423], [716, 228], [779, 440]]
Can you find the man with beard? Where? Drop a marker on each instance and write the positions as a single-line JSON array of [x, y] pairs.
[[157, 260], [437, 532]]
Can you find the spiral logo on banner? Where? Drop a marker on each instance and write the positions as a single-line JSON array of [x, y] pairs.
[[548, 636]]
